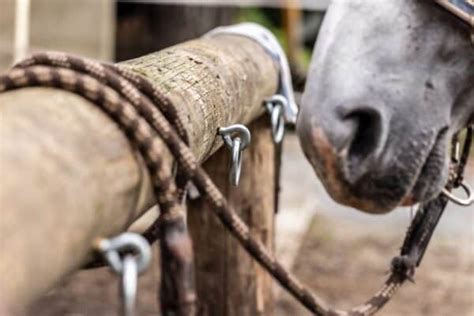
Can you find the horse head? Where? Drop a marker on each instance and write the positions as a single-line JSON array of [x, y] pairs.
[[389, 84]]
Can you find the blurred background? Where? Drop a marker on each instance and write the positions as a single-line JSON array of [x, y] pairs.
[[341, 253], [118, 30]]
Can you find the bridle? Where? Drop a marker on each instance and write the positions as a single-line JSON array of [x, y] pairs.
[[458, 163], [462, 9]]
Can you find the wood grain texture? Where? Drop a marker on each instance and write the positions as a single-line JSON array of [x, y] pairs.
[[68, 174], [229, 282]]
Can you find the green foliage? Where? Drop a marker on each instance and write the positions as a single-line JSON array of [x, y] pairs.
[[259, 16]]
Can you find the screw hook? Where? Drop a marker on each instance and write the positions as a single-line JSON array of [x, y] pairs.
[[129, 266], [236, 145], [276, 106]]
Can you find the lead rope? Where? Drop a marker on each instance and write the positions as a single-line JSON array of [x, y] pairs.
[[129, 100], [148, 119]]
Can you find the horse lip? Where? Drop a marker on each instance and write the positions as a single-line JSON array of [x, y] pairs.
[[419, 190], [326, 162]]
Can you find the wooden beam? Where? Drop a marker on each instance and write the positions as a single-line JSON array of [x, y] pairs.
[[69, 175], [318, 5]]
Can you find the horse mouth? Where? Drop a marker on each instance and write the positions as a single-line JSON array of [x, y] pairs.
[[433, 173], [406, 176]]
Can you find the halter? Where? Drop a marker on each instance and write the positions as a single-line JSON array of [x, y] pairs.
[[462, 9], [459, 159]]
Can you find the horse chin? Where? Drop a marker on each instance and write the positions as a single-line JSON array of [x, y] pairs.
[[328, 166], [428, 182], [427, 186], [425, 190], [433, 175]]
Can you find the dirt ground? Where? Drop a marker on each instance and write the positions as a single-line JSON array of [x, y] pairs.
[[339, 260], [344, 257], [346, 254], [345, 265]]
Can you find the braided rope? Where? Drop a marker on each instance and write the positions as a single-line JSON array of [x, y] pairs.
[[130, 101]]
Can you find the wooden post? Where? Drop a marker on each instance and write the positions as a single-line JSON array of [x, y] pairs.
[[22, 30], [292, 17], [228, 281], [68, 175]]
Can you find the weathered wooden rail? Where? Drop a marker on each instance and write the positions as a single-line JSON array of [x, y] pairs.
[[68, 175]]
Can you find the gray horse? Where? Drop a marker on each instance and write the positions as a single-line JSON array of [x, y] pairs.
[[390, 82]]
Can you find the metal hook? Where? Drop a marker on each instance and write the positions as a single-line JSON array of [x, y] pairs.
[[129, 267], [275, 106], [463, 202], [236, 145]]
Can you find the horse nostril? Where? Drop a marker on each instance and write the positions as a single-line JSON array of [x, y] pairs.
[[366, 143], [367, 134], [346, 140]]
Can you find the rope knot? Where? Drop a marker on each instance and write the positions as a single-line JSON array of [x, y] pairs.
[[404, 266]]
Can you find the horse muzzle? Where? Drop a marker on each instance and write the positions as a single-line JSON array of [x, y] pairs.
[[366, 161]]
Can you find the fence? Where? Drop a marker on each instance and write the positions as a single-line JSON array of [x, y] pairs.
[[69, 175]]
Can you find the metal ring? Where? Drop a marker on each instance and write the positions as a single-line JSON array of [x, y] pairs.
[[463, 202], [275, 106], [126, 241], [129, 285]]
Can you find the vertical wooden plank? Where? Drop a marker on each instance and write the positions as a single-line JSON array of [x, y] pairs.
[[228, 281], [165, 25]]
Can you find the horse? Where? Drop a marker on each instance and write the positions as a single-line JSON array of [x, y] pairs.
[[390, 83]]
